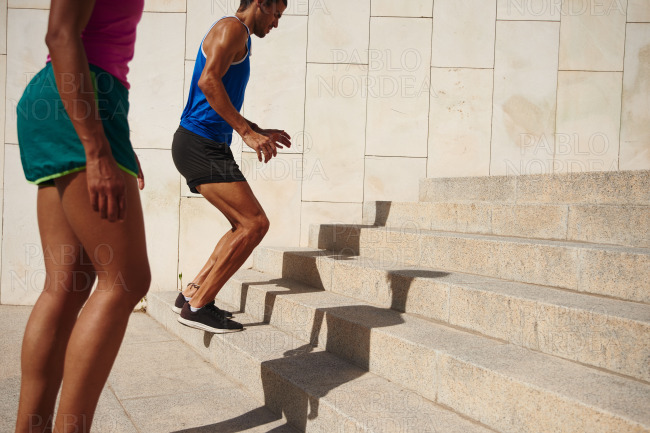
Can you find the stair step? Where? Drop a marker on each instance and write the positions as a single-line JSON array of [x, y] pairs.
[[610, 187], [623, 225], [602, 332], [508, 388], [618, 272], [315, 390]]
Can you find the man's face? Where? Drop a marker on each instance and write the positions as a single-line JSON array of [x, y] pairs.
[[269, 16]]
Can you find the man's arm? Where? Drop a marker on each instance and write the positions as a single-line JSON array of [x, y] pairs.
[[106, 186], [221, 46]]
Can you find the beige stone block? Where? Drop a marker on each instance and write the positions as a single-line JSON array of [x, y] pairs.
[[29, 4], [493, 189], [529, 10], [154, 115], [594, 336], [596, 187], [3, 20], [593, 35], [530, 221], [635, 118], [340, 238], [394, 179], [389, 8], [638, 11], [3, 81], [23, 268], [160, 203], [528, 261], [418, 363], [326, 213], [165, 5], [201, 15], [460, 122], [620, 225], [277, 187], [398, 87], [333, 167], [276, 91], [303, 265], [455, 217], [542, 394], [401, 288], [189, 71], [26, 55], [618, 272], [338, 31], [185, 190], [525, 88], [389, 247], [588, 121], [200, 228], [357, 278], [463, 33]]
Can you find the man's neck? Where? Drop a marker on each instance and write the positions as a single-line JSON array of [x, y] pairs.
[[248, 17]]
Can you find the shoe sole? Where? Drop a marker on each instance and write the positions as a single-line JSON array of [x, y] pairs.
[[178, 311], [202, 327]]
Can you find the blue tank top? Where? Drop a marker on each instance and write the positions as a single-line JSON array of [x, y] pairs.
[[198, 116]]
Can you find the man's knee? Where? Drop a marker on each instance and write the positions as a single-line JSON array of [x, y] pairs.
[[256, 228]]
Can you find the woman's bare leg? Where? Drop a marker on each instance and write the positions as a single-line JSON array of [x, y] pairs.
[[119, 256], [69, 279]]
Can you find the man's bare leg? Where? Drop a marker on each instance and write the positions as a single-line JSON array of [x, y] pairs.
[[69, 279], [191, 288], [250, 224], [119, 256]]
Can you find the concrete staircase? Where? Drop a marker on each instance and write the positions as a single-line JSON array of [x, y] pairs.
[[507, 304]]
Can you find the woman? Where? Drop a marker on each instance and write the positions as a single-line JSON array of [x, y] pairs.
[[74, 144]]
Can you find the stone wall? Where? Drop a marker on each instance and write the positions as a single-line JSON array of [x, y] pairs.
[[376, 95]]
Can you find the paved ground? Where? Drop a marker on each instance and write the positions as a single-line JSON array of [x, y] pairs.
[[158, 385]]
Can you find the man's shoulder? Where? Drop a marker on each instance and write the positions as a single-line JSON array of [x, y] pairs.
[[230, 27]]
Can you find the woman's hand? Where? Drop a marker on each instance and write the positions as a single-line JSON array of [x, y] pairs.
[[106, 188], [140, 173]]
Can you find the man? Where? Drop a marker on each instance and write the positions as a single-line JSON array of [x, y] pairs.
[[201, 152]]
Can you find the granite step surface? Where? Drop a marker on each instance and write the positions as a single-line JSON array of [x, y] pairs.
[[316, 391], [595, 188], [601, 332], [503, 386], [624, 225], [613, 271]]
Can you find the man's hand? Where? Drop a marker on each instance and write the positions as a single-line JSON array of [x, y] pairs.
[[266, 142], [106, 188]]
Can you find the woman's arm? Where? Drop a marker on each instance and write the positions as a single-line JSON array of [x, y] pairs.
[[105, 181]]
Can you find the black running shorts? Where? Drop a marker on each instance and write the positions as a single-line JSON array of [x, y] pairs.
[[201, 160]]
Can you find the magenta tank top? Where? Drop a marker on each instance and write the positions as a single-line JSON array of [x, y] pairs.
[[109, 36]]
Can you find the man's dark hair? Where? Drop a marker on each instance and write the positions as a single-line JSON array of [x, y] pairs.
[[244, 4]]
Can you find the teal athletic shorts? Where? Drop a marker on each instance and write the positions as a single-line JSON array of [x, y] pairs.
[[49, 145]]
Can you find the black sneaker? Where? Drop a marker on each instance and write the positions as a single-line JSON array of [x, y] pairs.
[[180, 301], [228, 314], [208, 319], [178, 304]]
